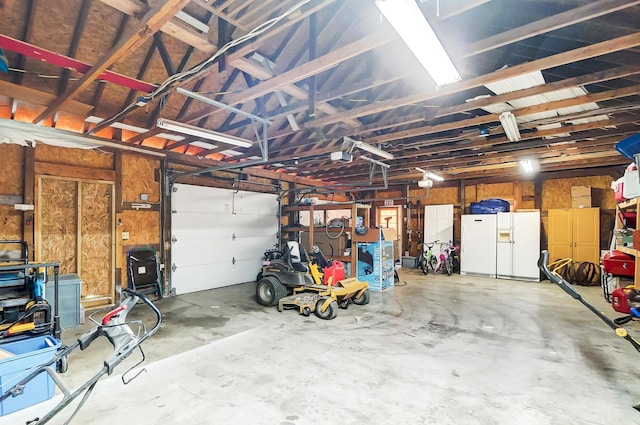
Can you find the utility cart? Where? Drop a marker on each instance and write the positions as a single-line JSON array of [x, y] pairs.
[[23, 310]]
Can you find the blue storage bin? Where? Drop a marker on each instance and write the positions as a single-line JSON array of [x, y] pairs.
[[629, 146], [28, 353]]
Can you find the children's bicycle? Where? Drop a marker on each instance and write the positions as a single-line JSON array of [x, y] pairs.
[[446, 258], [427, 258]]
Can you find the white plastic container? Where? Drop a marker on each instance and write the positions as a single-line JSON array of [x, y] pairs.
[[631, 188]]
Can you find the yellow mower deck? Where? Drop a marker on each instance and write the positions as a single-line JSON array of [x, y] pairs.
[[306, 297]]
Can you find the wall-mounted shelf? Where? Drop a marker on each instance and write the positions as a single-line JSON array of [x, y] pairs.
[[631, 204], [356, 210]]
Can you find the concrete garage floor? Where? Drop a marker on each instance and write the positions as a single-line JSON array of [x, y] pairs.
[[439, 350]]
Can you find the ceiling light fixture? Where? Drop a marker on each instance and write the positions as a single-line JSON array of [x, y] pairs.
[[510, 126], [527, 164], [407, 19], [374, 150], [345, 154], [202, 132]]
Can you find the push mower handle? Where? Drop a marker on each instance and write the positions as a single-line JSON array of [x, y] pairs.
[[142, 297], [543, 262]]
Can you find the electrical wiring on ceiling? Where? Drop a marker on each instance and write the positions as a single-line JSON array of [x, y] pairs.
[[165, 85]]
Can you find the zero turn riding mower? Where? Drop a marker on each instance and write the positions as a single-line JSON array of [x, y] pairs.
[[289, 280]]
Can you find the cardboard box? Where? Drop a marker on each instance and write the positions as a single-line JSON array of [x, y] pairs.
[[580, 191], [325, 243], [375, 234], [581, 202]]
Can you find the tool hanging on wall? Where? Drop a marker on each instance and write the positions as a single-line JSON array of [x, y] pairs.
[[419, 221]]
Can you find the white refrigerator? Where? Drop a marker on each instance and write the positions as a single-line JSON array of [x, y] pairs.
[[518, 245], [478, 244]]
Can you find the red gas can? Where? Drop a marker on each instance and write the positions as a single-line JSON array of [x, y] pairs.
[[333, 273], [620, 299]]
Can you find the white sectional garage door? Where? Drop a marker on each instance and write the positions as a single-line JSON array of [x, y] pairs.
[[219, 236]]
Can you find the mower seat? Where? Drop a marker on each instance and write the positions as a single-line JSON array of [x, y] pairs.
[[294, 257]]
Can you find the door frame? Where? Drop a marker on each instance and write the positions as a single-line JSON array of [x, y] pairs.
[[399, 230], [78, 259]]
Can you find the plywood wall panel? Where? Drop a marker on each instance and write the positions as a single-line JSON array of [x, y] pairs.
[[10, 223], [57, 208], [496, 190], [95, 231], [90, 158], [440, 196], [12, 176], [471, 193], [143, 228], [138, 176], [556, 193]]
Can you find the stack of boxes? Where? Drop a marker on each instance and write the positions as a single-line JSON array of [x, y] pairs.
[[580, 196]]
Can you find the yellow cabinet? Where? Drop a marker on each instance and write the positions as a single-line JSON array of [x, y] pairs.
[[575, 233]]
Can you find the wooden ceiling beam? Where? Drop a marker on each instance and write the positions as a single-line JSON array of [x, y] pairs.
[[448, 9], [579, 14], [36, 97], [256, 44], [174, 27], [27, 33], [598, 49], [285, 81], [152, 22], [310, 68], [486, 119], [81, 20], [218, 12]]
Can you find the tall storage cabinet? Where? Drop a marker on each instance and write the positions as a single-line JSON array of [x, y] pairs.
[[575, 233]]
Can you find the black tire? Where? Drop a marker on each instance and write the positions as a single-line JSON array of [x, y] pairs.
[[259, 277], [363, 299], [344, 303], [306, 312], [269, 291], [433, 263], [424, 266], [331, 311], [448, 265], [62, 365]]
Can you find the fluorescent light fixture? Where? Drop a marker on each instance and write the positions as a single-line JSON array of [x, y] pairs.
[[374, 161], [407, 19], [203, 145], [231, 152], [202, 132], [429, 175], [197, 24], [527, 165], [374, 150], [510, 126], [97, 120]]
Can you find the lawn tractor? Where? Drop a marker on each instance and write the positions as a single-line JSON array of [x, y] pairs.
[[289, 280]]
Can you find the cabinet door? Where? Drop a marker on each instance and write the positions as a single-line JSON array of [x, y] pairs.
[[438, 223], [586, 234], [560, 240]]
